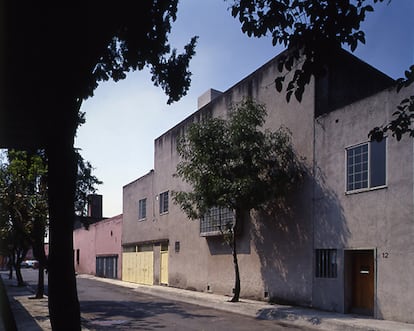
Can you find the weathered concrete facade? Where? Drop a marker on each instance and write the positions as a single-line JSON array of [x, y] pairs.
[[378, 221], [97, 250], [280, 255]]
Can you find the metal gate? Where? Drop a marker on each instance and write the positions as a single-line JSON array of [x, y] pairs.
[[107, 266]]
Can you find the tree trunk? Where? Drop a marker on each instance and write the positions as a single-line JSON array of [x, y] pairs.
[[40, 283], [63, 299], [238, 223], [10, 265], [20, 255], [39, 253], [19, 276], [236, 294]]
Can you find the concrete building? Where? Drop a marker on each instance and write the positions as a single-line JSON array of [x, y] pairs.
[[97, 242], [346, 243]]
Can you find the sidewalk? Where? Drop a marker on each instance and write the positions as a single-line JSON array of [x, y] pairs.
[[32, 315]]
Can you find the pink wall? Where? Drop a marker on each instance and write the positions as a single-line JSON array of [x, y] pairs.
[[102, 239]]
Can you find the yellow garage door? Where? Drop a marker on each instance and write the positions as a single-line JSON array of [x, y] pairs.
[[164, 267], [138, 267]]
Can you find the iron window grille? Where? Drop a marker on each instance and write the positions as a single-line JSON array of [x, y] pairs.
[[216, 221], [326, 265]]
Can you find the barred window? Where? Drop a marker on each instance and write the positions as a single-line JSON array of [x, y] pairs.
[[216, 220], [326, 266]]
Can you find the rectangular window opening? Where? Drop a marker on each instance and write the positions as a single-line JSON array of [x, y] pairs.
[[216, 221], [142, 209], [326, 264], [366, 166], [177, 246], [164, 202]]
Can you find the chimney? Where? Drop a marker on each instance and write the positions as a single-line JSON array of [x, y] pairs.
[[207, 97], [95, 206]]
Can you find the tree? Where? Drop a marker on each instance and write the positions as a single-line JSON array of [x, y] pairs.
[[403, 116], [86, 184], [23, 187], [237, 165], [68, 48], [19, 201], [310, 29]]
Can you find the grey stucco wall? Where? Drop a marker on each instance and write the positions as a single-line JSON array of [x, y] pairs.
[[380, 219], [276, 250], [206, 263]]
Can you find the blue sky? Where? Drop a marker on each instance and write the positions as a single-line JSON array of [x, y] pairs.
[[124, 118]]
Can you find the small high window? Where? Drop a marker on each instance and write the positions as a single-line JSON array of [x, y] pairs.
[[164, 202], [326, 266], [142, 209], [366, 166]]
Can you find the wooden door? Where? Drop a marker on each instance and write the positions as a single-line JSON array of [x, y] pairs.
[[164, 268], [363, 282]]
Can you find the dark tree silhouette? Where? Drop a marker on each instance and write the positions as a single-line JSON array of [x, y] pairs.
[[54, 53]]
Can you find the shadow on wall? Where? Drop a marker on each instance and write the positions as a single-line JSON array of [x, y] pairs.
[[330, 228], [284, 239], [217, 245]]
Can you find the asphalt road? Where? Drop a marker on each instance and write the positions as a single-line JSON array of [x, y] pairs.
[[110, 307]]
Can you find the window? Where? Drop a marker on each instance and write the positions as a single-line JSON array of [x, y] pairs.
[[366, 166], [326, 263], [145, 248], [177, 246], [142, 209], [216, 220], [164, 202]]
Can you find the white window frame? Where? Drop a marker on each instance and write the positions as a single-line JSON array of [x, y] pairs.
[[142, 203], [369, 187]]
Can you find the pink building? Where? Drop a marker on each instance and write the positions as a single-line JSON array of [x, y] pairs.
[[97, 251]]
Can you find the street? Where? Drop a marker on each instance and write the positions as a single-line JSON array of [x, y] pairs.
[[110, 307]]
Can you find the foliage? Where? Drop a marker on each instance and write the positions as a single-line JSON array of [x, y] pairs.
[[308, 28], [91, 41], [403, 116], [86, 184], [82, 43], [24, 200], [234, 164]]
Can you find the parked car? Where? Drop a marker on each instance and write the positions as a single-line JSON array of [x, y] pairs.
[[34, 264]]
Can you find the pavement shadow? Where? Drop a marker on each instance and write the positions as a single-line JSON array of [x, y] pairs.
[[288, 314], [142, 315], [7, 321]]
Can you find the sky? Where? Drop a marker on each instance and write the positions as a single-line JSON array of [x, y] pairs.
[[123, 119]]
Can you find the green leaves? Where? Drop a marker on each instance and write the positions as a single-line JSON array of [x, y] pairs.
[[134, 39], [234, 163], [311, 26]]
